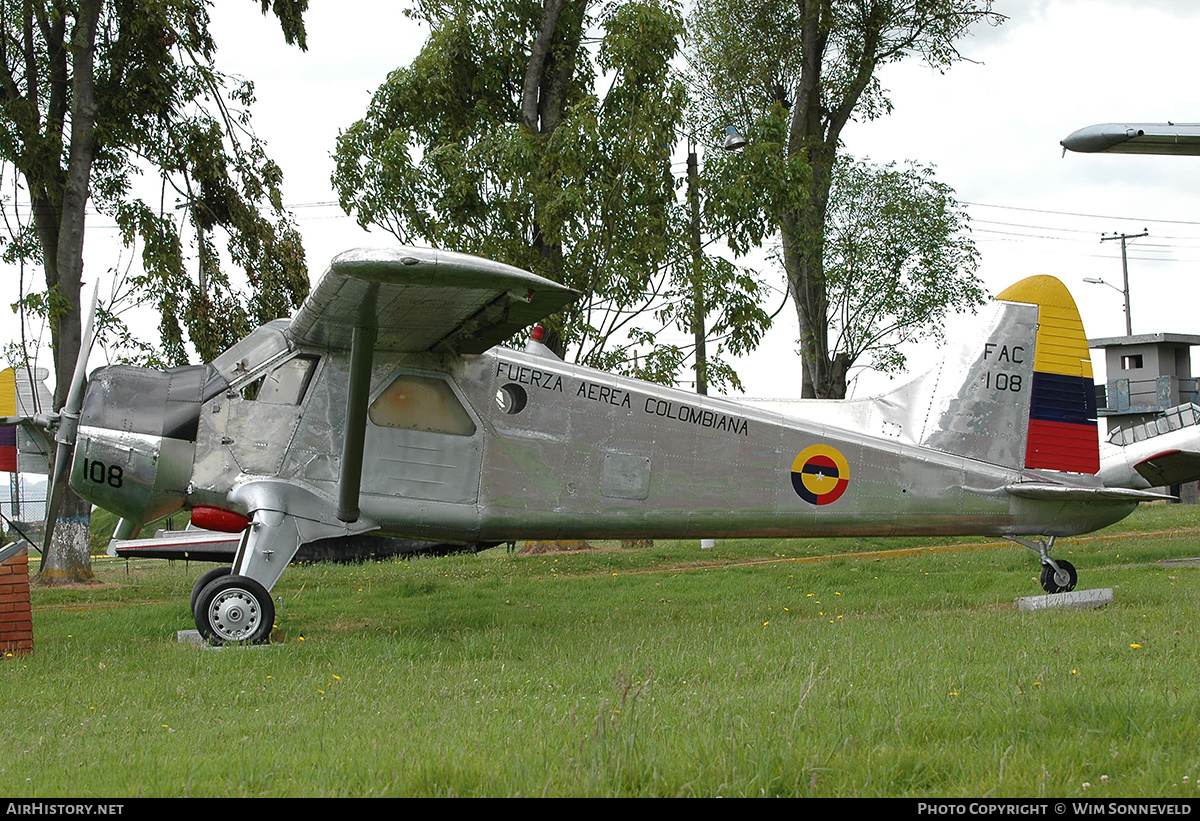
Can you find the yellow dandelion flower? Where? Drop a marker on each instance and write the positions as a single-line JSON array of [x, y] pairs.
[[337, 677], [1135, 646]]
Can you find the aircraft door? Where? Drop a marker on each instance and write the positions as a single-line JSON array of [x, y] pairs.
[[422, 441], [248, 428]]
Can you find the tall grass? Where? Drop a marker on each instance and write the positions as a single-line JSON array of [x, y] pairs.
[[796, 668]]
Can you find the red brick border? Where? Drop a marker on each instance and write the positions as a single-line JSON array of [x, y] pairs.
[[16, 616]]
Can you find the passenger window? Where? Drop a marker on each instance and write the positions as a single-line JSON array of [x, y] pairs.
[[421, 403], [283, 385]]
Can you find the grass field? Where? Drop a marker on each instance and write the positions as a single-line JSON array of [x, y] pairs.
[[791, 668]]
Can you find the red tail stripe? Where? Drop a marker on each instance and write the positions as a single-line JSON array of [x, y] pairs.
[[1062, 446]]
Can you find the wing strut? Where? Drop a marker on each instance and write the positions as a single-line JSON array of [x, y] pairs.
[[362, 349]]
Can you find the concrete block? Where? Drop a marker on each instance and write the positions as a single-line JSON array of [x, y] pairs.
[[1075, 600]]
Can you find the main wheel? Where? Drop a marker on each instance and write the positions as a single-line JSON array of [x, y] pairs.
[[234, 608], [215, 573], [1061, 582]]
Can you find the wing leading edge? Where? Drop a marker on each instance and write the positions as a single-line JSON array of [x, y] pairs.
[[419, 299], [1136, 138]]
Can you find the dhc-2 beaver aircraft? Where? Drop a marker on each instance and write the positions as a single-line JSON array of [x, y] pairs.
[[388, 405]]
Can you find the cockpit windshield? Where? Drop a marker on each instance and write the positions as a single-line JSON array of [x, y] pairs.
[[264, 344]]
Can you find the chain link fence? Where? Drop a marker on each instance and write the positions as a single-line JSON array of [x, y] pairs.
[[27, 514]]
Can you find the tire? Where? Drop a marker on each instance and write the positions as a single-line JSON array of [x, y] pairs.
[[1059, 585], [203, 582], [234, 609]]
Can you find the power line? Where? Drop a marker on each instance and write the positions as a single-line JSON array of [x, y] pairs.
[[1075, 214]]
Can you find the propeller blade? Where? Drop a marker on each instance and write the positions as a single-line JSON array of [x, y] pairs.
[[68, 423], [54, 496]]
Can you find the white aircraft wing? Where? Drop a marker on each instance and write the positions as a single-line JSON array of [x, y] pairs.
[[1170, 467], [419, 299], [1136, 138]]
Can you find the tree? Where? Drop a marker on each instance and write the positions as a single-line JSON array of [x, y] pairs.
[[795, 72], [509, 137], [93, 94], [898, 259]]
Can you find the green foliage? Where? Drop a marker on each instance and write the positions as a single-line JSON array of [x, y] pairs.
[[560, 165], [795, 73], [898, 259], [160, 105]]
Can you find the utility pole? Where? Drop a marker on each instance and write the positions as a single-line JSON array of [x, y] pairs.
[[1125, 271], [698, 307]]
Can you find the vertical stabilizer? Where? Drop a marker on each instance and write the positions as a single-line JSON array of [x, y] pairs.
[[23, 449], [1062, 433], [8, 434]]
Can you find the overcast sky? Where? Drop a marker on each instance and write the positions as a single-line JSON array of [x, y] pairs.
[[991, 127]]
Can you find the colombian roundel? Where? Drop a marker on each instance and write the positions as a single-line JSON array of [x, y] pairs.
[[820, 475]]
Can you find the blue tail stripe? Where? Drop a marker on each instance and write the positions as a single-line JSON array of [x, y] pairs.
[[1058, 398]]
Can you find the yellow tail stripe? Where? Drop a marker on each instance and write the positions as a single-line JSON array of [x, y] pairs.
[[8, 392], [1061, 341]]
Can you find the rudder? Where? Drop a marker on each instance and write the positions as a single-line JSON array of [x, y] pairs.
[[1063, 434]]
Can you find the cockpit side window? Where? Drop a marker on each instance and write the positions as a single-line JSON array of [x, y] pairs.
[[421, 403], [285, 384]]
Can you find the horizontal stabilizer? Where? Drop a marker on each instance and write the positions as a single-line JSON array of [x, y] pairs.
[[418, 299], [1048, 492]]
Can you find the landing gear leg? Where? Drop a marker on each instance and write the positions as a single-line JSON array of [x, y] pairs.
[[1057, 576]]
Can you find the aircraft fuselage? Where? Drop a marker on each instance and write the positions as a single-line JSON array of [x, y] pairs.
[[508, 445]]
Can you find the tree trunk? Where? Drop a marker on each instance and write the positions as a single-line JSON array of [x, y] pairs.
[[68, 557], [548, 74]]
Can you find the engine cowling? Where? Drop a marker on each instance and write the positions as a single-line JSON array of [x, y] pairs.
[[137, 438]]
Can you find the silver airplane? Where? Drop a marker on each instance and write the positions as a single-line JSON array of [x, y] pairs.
[[388, 405], [1135, 138]]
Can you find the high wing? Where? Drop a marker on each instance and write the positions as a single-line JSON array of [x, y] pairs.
[[412, 300], [419, 299], [1136, 138]]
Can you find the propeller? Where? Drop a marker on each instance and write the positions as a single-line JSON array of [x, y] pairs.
[[68, 422]]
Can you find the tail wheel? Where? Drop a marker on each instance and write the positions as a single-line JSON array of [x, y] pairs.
[[1061, 581], [234, 609]]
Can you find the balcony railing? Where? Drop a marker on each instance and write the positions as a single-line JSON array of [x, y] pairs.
[[1145, 395]]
